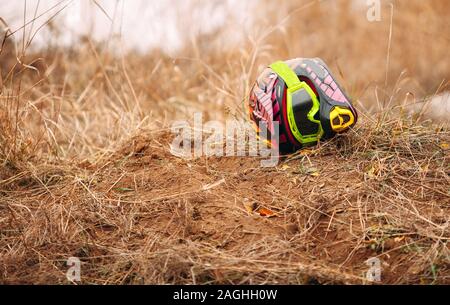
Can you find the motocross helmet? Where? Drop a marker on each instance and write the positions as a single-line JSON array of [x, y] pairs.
[[305, 99]]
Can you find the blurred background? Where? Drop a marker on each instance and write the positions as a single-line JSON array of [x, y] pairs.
[[141, 25], [165, 59]]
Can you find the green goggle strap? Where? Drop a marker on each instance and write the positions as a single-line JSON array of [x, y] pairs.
[[293, 84], [289, 76]]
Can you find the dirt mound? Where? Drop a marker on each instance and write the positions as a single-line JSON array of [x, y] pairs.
[[142, 215]]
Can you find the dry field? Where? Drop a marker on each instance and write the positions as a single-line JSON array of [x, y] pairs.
[[86, 168]]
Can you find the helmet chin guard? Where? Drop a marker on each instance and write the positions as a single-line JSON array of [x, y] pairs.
[[304, 97]]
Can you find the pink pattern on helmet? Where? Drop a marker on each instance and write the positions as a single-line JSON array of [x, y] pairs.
[[329, 92], [338, 96], [328, 86]]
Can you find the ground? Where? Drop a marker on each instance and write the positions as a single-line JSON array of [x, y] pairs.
[[142, 215]]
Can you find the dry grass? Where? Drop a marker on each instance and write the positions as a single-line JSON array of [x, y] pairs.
[[86, 169]]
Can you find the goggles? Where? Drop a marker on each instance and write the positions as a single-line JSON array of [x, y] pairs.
[[302, 106]]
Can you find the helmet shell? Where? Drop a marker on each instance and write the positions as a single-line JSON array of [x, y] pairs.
[[268, 97]]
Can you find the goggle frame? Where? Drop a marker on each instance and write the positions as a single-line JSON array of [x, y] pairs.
[[294, 85]]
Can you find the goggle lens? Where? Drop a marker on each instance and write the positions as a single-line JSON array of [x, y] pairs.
[[302, 104]]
